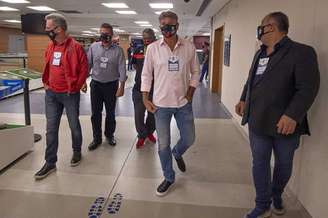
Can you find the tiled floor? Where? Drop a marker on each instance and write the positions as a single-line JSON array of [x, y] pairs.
[[206, 104], [217, 183]]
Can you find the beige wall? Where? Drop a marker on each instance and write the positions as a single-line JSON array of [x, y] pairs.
[[4, 37], [308, 21]]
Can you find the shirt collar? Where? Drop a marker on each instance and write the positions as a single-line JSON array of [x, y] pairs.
[[179, 42], [111, 46], [62, 43], [279, 45]]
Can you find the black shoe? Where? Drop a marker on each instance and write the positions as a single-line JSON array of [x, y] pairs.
[[181, 164], [111, 141], [278, 207], [45, 171], [163, 188], [76, 159], [94, 145]]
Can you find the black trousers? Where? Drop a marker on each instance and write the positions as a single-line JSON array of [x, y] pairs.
[[103, 93], [143, 129]]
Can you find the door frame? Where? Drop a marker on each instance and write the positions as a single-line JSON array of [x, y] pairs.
[[216, 80]]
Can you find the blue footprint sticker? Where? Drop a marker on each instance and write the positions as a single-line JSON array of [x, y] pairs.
[[115, 205], [96, 208]]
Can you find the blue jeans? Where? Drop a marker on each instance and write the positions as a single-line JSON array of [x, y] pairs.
[[55, 104], [283, 148], [185, 122]]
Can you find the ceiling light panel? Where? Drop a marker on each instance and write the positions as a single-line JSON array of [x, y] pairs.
[[12, 21], [5, 8], [41, 8], [161, 5], [115, 5], [141, 22], [126, 12], [15, 1]]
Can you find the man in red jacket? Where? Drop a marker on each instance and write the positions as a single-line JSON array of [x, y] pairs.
[[65, 72]]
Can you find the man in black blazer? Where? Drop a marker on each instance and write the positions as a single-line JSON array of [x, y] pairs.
[[283, 82]]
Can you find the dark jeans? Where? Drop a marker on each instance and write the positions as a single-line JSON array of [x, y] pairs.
[[204, 72], [55, 104], [283, 148], [130, 64], [143, 129], [103, 93]]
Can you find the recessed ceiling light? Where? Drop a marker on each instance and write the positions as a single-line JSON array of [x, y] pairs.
[[41, 8], [87, 31], [115, 5], [137, 34], [86, 34], [118, 30], [206, 34], [126, 12], [5, 8], [15, 1], [13, 21], [95, 28], [161, 5], [146, 25], [155, 30], [141, 22]]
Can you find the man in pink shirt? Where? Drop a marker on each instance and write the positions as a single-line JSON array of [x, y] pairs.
[[173, 66]]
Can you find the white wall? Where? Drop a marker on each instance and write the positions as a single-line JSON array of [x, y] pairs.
[[308, 24]]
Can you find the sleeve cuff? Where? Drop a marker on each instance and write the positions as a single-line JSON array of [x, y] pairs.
[[194, 83], [145, 88]]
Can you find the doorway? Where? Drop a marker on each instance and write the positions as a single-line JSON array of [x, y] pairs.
[[217, 61]]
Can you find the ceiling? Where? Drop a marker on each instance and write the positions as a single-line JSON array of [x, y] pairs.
[[93, 13]]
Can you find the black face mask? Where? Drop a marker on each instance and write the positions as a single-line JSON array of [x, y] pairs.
[[51, 34], [169, 30], [106, 38], [260, 31]]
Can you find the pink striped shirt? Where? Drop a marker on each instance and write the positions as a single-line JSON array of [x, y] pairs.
[[172, 71]]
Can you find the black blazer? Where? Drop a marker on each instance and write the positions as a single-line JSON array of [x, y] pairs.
[[289, 86]]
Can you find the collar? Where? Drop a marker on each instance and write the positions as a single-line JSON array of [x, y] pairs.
[[279, 45], [112, 45], [65, 42], [179, 42]]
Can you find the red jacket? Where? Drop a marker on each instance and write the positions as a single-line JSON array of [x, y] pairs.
[[75, 64]]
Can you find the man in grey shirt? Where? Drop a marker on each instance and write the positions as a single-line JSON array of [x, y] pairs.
[[107, 64]]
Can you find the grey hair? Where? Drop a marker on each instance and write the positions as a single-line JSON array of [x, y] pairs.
[[58, 19], [149, 32], [169, 14]]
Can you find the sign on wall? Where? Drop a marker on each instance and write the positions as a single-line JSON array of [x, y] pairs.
[[227, 47]]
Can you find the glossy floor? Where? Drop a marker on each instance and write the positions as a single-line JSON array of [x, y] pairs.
[[121, 181]]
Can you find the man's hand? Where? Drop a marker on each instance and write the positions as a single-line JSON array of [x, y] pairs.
[[240, 108], [120, 92], [286, 125], [190, 93], [149, 106], [189, 98], [45, 86], [84, 88]]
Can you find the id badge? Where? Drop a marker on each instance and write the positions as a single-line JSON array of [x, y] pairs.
[[263, 63], [104, 61], [173, 64], [56, 58]]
